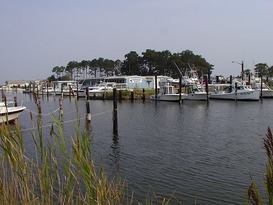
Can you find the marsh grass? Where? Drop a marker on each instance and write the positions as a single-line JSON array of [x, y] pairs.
[[254, 195], [60, 173]]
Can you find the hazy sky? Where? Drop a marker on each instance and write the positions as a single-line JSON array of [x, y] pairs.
[[37, 35]]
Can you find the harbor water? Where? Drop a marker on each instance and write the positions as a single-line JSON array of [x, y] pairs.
[[196, 152]]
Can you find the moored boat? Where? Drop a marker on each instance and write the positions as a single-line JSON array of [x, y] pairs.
[[235, 91], [167, 93], [10, 114], [265, 90], [196, 92]]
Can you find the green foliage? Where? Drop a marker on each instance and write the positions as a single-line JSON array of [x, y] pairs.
[[253, 193], [151, 62]]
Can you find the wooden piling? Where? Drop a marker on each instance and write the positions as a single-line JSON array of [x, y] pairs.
[[115, 115], [87, 93], [2, 94], [261, 92], [88, 113], [77, 90], [236, 86], [207, 87], [156, 91], [15, 101], [180, 89], [61, 108], [230, 81], [143, 95], [132, 96], [47, 90], [5, 100]]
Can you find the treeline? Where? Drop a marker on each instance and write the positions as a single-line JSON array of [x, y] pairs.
[[150, 62]]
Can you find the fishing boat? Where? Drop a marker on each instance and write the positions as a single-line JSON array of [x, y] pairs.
[[167, 93], [10, 113], [196, 92], [235, 91], [265, 90]]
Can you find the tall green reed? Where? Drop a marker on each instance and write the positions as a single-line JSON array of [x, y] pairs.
[[61, 172], [253, 194]]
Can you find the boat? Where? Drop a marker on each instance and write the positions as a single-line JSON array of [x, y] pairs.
[[48, 90], [265, 90], [196, 92], [98, 89], [10, 113], [235, 91], [167, 93]]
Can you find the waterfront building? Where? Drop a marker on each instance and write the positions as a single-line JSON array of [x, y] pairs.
[[128, 82]]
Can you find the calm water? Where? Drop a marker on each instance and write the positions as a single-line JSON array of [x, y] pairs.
[[199, 152]]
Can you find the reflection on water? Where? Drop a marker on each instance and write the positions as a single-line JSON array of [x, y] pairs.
[[197, 151]]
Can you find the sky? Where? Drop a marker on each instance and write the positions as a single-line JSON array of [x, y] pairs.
[[37, 35]]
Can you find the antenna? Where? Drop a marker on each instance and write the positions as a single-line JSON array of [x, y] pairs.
[[178, 68]]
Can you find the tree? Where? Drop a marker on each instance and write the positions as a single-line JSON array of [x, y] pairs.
[[70, 68], [262, 69], [130, 65]]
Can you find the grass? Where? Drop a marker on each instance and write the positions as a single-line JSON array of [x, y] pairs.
[[254, 196], [59, 173]]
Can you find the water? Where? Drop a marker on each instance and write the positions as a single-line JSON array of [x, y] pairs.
[[195, 151]]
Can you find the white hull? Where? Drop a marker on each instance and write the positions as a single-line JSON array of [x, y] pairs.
[[202, 96], [267, 93], [9, 114], [253, 95], [168, 97]]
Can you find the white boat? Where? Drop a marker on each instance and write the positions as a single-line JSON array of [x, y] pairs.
[[167, 93], [48, 90], [66, 88], [233, 92], [98, 89], [266, 91], [196, 92], [10, 114], [102, 88]]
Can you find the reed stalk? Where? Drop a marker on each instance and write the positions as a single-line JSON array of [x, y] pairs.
[[59, 173], [253, 194]]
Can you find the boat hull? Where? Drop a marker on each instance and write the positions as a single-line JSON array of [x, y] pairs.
[[10, 114], [244, 96], [200, 96], [168, 97], [267, 93]]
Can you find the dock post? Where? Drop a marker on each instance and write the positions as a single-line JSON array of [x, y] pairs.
[[132, 96], [4, 97], [77, 90], [2, 94], [230, 80], [47, 93], [88, 114], [61, 108], [261, 93], [115, 114], [207, 87], [180, 89], [15, 101], [156, 93], [236, 86], [143, 95], [87, 93]]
